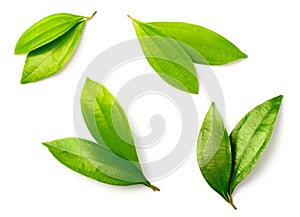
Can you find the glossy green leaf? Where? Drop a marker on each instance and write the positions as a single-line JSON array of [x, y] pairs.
[[203, 45], [106, 120], [214, 152], [95, 161], [113, 158], [250, 137], [50, 58], [167, 57], [45, 31]]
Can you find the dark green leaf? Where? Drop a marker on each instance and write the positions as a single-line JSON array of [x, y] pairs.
[[50, 58], [203, 45], [250, 137], [107, 121], [167, 57], [214, 152], [45, 31], [95, 161]]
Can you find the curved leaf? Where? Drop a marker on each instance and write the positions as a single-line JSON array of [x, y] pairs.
[[250, 137], [211, 47], [167, 57], [214, 152], [50, 58], [95, 161], [108, 162], [107, 121], [45, 31]]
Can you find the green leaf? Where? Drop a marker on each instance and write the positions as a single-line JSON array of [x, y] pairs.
[[95, 161], [112, 160], [250, 137], [50, 58], [45, 31], [203, 45], [167, 57], [107, 121], [214, 152]]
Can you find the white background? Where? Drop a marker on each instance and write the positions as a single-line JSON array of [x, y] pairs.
[[33, 183]]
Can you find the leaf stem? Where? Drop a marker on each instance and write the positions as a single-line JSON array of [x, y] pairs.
[[130, 17], [91, 17], [148, 184], [231, 202], [154, 188]]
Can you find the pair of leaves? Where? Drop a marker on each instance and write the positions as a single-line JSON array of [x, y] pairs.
[[226, 160], [49, 44], [113, 159], [171, 48]]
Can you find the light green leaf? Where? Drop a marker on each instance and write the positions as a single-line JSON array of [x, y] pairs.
[[214, 152], [107, 121], [250, 137], [50, 58], [203, 45], [95, 161], [167, 57], [45, 31], [112, 160]]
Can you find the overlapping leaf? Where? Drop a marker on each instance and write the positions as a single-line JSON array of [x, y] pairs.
[[49, 43], [226, 161], [250, 137], [106, 120], [113, 159], [167, 57], [214, 152], [95, 161], [203, 45], [50, 58], [172, 47], [45, 31]]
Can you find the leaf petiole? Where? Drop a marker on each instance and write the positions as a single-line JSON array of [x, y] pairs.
[[91, 17], [129, 17], [231, 202], [154, 188]]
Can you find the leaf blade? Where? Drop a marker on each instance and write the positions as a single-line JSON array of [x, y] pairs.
[[95, 161], [211, 47], [250, 137], [107, 121], [214, 152], [167, 57], [50, 58], [52, 27]]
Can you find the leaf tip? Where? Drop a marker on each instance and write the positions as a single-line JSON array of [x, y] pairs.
[[17, 51], [213, 108], [213, 105], [195, 91], [277, 99], [24, 81], [45, 144], [88, 81], [280, 97], [129, 17], [243, 55]]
